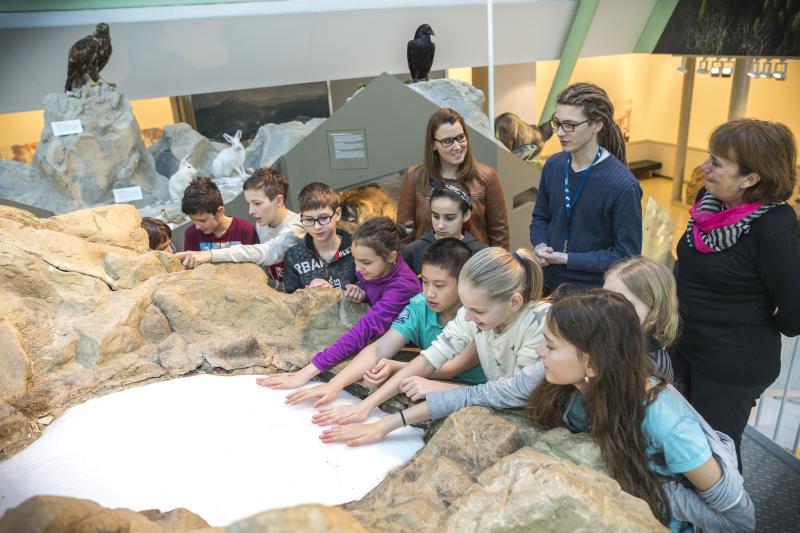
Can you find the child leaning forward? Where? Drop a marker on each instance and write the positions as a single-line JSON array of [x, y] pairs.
[[385, 281]]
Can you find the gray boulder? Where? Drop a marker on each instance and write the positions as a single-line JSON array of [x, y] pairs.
[[274, 140], [109, 154], [458, 95], [27, 184], [178, 141]]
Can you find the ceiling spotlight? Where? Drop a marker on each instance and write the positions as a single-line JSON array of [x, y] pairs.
[[766, 69], [753, 68], [682, 68], [703, 68], [727, 69], [716, 68], [780, 70]]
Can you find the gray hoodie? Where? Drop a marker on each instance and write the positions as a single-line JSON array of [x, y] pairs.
[[724, 507]]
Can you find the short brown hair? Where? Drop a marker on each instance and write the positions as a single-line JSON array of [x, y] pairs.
[[202, 196], [764, 148], [158, 232], [270, 181], [318, 196]]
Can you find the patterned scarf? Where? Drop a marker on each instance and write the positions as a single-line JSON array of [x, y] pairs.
[[713, 229]]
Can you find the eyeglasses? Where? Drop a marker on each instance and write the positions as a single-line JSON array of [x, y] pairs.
[[447, 142], [323, 220], [569, 127]]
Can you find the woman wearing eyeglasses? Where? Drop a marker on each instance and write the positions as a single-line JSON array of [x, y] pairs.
[[588, 212], [448, 156]]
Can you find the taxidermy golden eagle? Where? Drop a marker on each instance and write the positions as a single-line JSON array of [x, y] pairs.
[[87, 58], [419, 53]]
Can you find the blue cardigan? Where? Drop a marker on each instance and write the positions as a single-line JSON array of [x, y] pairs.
[[606, 221]]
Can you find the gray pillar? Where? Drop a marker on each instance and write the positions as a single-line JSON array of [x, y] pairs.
[[739, 89], [683, 129]]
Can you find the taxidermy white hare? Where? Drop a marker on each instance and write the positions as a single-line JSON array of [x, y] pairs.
[[181, 179], [231, 159]]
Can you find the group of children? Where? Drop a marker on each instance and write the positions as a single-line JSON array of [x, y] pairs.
[[487, 337]]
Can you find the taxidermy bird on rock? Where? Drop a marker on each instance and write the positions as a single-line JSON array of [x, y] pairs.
[[87, 57], [420, 52]]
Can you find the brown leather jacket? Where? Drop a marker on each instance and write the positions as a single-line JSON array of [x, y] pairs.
[[489, 221]]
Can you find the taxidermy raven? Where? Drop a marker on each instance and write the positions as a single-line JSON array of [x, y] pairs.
[[420, 53], [87, 57]]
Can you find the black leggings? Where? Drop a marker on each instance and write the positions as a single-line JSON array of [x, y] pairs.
[[725, 407]]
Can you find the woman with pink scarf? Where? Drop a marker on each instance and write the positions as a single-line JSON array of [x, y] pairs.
[[738, 273]]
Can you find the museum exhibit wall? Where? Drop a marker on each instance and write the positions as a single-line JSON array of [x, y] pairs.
[[198, 49]]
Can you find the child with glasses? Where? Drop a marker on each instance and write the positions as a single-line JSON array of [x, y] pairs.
[[448, 158], [588, 212], [324, 257], [278, 228], [384, 280]]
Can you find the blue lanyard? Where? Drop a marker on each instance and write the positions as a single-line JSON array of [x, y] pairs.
[[567, 200]]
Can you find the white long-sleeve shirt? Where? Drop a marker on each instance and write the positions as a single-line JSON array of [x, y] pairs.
[[501, 354], [274, 244]]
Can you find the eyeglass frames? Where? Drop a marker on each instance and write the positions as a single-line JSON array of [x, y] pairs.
[[447, 142], [569, 127], [323, 220]]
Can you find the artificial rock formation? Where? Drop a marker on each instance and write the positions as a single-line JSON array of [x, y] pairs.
[[178, 141], [80, 170], [86, 309], [274, 140], [458, 95]]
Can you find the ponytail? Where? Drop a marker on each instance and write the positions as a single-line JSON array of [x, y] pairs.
[[499, 274], [534, 277], [381, 234]]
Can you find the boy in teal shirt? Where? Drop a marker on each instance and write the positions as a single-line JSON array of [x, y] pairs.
[[420, 322]]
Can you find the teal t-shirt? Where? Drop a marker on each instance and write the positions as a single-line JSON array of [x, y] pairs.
[[675, 441], [419, 325]]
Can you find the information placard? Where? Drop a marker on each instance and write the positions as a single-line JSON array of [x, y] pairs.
[[66, 127], [128, 194]]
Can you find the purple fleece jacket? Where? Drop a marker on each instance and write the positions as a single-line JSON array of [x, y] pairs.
[[387, 296]]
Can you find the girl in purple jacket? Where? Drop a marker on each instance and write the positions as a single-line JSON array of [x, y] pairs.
[[385, 281]]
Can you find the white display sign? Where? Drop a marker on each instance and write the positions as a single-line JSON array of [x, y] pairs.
[[127, 194], [67, 127]]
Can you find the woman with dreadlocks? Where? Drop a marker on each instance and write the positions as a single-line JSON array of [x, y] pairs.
[[588, 213]]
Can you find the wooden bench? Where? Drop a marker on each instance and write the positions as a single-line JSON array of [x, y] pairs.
[[643, 169]]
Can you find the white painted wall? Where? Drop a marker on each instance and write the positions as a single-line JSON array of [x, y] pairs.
[[170, 51]]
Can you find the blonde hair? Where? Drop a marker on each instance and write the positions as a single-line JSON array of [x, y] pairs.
[[654, 285], [499, 274]]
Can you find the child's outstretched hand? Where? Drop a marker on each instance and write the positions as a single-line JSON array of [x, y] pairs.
[[355, 293], [382, 371], [318, 283], [289, 380], [194, 259], [417, 388], [324, 393], [342, 414], [355, 434]]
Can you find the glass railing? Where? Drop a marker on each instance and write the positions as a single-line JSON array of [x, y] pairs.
[[777, 414]]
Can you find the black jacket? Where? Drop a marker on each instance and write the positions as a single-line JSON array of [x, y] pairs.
[[412, 254], [736, 303], [302, 264]]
